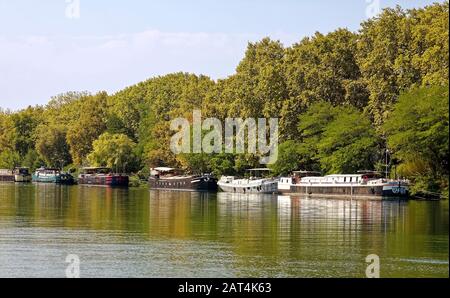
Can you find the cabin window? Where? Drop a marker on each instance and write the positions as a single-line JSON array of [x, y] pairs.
[[345, 179], [351, 179]]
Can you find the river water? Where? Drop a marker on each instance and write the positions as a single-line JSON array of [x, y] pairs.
[[137, 232]]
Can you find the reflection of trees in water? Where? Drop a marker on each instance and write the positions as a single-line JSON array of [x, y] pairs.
[[255, 230], [182, 214]]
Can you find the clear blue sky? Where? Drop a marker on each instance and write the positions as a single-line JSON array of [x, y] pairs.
[[116, 43]]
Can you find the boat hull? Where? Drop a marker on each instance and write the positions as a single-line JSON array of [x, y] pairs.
[[22, 178], [63, 180], [348, 191], [196, 183], [105, 180], [7, 178], [267, 187]]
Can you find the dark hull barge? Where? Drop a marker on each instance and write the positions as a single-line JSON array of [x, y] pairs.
[[167, 179]]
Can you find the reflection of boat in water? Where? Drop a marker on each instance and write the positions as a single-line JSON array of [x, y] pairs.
[[253, 184], [52, 175], [102, 176], [364, 184], [173, 179], [16, 175]]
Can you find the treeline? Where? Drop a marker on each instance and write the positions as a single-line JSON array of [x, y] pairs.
[[342, 99]]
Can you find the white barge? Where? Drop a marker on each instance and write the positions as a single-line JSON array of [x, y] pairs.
[[253, 184], [358, 185]]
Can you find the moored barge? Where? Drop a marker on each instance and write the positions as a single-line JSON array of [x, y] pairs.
[[6, 175], [102, 177], [16, 175], [174, 179], [52, 175], [256, 183], [22, 175], [351, 185]]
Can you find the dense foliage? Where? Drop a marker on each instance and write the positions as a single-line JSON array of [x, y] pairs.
[[342, 99]]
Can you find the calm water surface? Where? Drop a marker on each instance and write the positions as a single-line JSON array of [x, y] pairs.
[[143, 233]]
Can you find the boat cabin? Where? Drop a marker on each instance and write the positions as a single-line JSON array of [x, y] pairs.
[[48, 171], [258, 173], [96, 171], [165, 172], [5, 172], [22, 171], [337, 179]]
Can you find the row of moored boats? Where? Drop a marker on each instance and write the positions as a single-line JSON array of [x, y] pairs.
[[257, 181], [88, 176]]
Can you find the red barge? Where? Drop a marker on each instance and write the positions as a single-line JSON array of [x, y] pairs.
[[102, 176]]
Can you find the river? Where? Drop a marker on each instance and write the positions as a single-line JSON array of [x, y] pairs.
[[137, 232]]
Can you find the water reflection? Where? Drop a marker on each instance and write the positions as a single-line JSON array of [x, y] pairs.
[[186, 234]]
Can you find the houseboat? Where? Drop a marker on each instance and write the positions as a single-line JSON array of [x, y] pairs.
[[174, 179], [22, 175], [285, 183], [52, 175], [102, 176], [16, 175], [367, 184], [256, 183], [6, 175]]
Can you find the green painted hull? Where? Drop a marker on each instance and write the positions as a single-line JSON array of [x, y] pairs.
[[58, 179]]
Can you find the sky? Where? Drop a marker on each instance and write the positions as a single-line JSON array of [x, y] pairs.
[[48, 47]]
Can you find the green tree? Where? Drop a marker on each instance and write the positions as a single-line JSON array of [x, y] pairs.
[[88, 127], [259, 84], [25, 123], [418, 134], [341, 139], [9, 159], [289, 158], [8, 132], [348, 143], [401, 49], [115, 151], [52, 146], [321, 68]]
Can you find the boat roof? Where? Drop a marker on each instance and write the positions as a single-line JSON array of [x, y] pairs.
[[306, 172], [260, 170], [369, 172], [344, 175], [48, 169], [164, 169]]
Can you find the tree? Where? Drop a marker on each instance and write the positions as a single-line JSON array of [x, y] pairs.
[[8, 132], [418, 134], [52, 146], [25, 122], [401, 49], [114, 151], [340, 139], [167, 98], [259, 83], [289, 158], [88, 127], [348, 143], [321, 68], [9, 159], [196, 163]]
